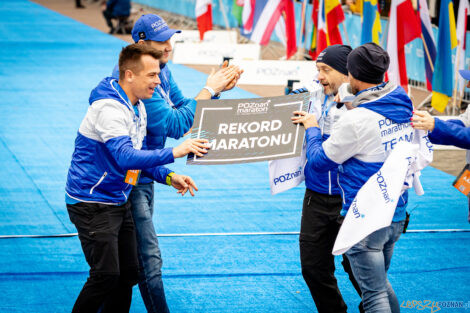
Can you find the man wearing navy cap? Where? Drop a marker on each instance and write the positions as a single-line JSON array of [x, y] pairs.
[[169, 114], [454, 132]]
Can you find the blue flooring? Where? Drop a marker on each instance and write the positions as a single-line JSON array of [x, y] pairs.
[[48, 65]]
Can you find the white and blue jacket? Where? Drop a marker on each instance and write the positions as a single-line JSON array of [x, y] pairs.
[[454, 132], [169, 113], [362, 139], [325, 182], [108, 144]]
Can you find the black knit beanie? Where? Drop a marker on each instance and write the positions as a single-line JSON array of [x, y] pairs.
[[368, 63], [335, 56]]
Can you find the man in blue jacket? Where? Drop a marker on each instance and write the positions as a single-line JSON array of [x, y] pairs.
[[100, 178], [169, 114], [359, 144], [321, 217], [455, 132]]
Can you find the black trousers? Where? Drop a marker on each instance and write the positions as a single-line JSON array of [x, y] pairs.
[[107, 236], [320, 224]]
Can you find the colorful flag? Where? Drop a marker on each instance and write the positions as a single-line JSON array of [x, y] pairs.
[[370, 22], [203, 16], [429, 44], [313, 43], [443, 80], [330, 15], [261, 19], [237, 10], [248, 15], [462, 20], [403, 28]]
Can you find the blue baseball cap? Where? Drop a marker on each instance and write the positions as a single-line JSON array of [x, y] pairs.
[[465, 74], [152, 27]]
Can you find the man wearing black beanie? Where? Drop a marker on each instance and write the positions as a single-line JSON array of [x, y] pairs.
[[360, 143], [321, 217]]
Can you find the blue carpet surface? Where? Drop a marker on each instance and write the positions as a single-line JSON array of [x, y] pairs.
[[48, 66]]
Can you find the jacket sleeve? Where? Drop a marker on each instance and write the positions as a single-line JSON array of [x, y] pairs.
[[316, 156], [163, 120], [451, 132], [110, 125], [129, 158], [344, 142], [158, 173]]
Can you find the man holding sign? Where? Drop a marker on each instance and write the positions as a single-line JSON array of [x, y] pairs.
[[169, 114], [360, 143], [321, 217]]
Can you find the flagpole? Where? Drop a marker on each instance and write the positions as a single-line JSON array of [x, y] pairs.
[[224, 14], [346, 33], [385, 34], [427, 52], [300, 52], [456, 79]]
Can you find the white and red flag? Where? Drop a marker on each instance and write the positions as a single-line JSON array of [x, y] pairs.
[[203, 16], [403, 28], [462, 20]]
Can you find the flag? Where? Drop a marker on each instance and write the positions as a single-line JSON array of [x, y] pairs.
[[313, 42], [443, 80], [203, 16], [330, 15], [429, 44], [462, 21], [248, 16], [370, 22], [261, 19], [403, 28], [237, 10]]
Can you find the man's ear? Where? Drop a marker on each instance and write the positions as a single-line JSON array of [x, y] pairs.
[[129, 75]]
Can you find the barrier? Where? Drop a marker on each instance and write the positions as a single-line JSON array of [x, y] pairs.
[[265, 72], [212, 53], [211, 36]]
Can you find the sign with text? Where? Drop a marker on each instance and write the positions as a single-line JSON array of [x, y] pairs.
[[249, 130]]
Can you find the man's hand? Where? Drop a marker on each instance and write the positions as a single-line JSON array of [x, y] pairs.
[[224, 79], [302, 117], [183, 183], [196, 146], [422, 120], [234, 81]]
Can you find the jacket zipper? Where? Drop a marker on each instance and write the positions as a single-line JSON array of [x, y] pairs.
[[99, 182], [342, 191], [329, 183]]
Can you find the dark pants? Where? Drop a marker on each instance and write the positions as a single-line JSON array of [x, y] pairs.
[[107, 235], [320, 224]]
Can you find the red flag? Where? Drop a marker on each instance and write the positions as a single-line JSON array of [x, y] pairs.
[[203, 16], [290, 28], [330, 15], [403, 28]]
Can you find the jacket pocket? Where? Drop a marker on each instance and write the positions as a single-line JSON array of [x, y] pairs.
[[99, 182]]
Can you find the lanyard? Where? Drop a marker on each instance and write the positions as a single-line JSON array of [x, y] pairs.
[[165, 96], [325, 109]]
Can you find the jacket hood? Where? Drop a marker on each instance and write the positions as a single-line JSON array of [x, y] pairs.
[[390, 101], [105, 90]]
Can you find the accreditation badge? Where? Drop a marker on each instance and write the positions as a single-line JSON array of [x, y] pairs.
[[132, 177], [462, 182]]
